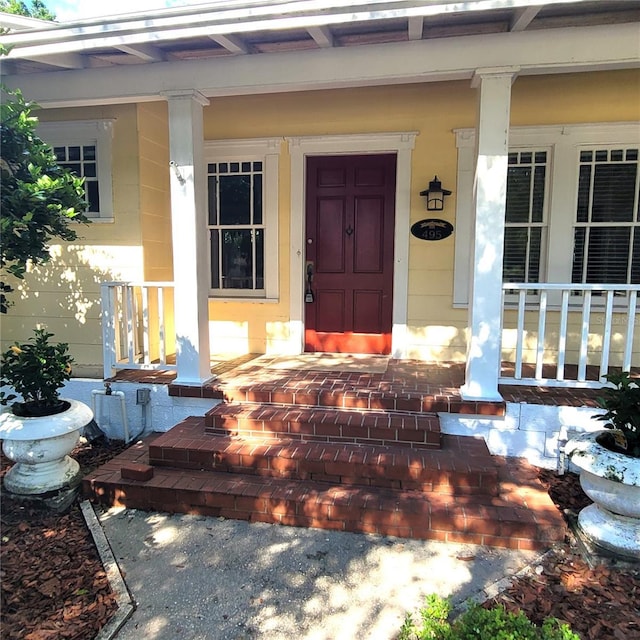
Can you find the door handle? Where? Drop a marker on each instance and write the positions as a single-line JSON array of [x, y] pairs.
[[308, 293]]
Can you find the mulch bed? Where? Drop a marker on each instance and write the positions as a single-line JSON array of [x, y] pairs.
[[599, 599], [54, 586]]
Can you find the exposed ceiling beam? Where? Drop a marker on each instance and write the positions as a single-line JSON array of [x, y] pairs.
[[322, 36], [63, 60], [522, 18], [145, 52], [231, 43], [416, 24]]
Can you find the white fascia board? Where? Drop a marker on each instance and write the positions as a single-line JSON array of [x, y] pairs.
[[534, 52], [197, 23], [14, 21]]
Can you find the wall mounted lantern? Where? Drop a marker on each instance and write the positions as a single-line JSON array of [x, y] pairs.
[[435, 195]]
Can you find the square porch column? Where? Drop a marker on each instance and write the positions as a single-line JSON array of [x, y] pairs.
[[490, 190], [189, 224]]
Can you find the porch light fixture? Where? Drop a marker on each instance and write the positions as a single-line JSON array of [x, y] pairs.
[[435, 195]]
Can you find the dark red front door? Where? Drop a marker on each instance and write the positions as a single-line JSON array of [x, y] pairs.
[[349, 242]]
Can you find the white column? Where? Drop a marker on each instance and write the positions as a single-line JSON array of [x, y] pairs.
[[490, 188], [189, 223]]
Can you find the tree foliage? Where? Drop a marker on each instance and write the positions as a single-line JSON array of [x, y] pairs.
[[36, 10], [39, 199]]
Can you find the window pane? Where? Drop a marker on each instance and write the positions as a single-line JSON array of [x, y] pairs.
[[74, 167], [91, 191], [235, 199], [74, 154], [515, 254], [257, 198], [535, 250], [259, 259], [237, 255], [89, 153], [215, 258], [635, 260], [211, 188], [537, 206], [613, 192], [584, 188], [90, 169], [578, 254], [608, 255], [518, 191], [60, 153]]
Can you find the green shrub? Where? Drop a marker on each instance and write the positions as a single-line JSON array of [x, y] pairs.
[[478, 623]]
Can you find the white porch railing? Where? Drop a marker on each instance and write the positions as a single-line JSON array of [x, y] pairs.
[[137, 326], [567, 328]]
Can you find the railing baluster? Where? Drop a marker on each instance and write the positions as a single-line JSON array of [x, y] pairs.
[[584, 337], [562, 338], [129, 310], [522, 299], [631, 323], [146, 355], [542, 325], [606, 336], [162, 347]]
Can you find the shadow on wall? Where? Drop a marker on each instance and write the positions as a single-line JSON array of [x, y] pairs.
[[63, 295]]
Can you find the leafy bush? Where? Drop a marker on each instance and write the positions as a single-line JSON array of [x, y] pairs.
[[622, 403], [39, 199], [478, 623], [36, 370]]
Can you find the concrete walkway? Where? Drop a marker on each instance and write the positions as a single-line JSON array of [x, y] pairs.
[[202, 578]]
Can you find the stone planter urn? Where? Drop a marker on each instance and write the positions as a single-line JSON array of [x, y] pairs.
[[40, 447], [612, 481]]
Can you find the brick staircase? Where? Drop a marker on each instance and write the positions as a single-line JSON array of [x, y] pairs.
[[355, 458]]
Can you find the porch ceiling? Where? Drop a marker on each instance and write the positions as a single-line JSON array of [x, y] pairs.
[[257, 28]]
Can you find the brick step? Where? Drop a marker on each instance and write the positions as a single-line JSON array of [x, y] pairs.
[[326, 424], [523, 520], [347, 391], [463, 467]]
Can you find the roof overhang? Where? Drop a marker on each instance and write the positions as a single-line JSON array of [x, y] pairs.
[[239, 47]]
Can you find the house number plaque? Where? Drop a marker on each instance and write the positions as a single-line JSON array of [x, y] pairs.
[[432, 229]]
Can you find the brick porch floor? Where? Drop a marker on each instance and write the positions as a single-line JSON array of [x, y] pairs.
[[346, 450]]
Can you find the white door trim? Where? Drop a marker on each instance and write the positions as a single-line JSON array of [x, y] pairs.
[[401, 144]]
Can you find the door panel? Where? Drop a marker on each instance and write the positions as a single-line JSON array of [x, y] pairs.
[[349, 230], [367, 237]]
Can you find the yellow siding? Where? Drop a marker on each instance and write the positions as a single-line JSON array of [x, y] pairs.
[[155, 197], [63, 295], [435, 329]]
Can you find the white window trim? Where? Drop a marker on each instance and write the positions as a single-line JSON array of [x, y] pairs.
[[565, 143], [401, 143], [267, 151], [83, 132]]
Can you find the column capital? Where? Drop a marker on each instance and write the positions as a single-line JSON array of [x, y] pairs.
[[186, 94], [485, 73]]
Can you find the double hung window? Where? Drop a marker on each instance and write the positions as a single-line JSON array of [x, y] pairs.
[[236, 225], [525, 218], [572, 206], [606, 238], [242, 218], [84, 148]]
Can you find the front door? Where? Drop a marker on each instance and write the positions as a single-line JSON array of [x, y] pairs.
[[350, 210]]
